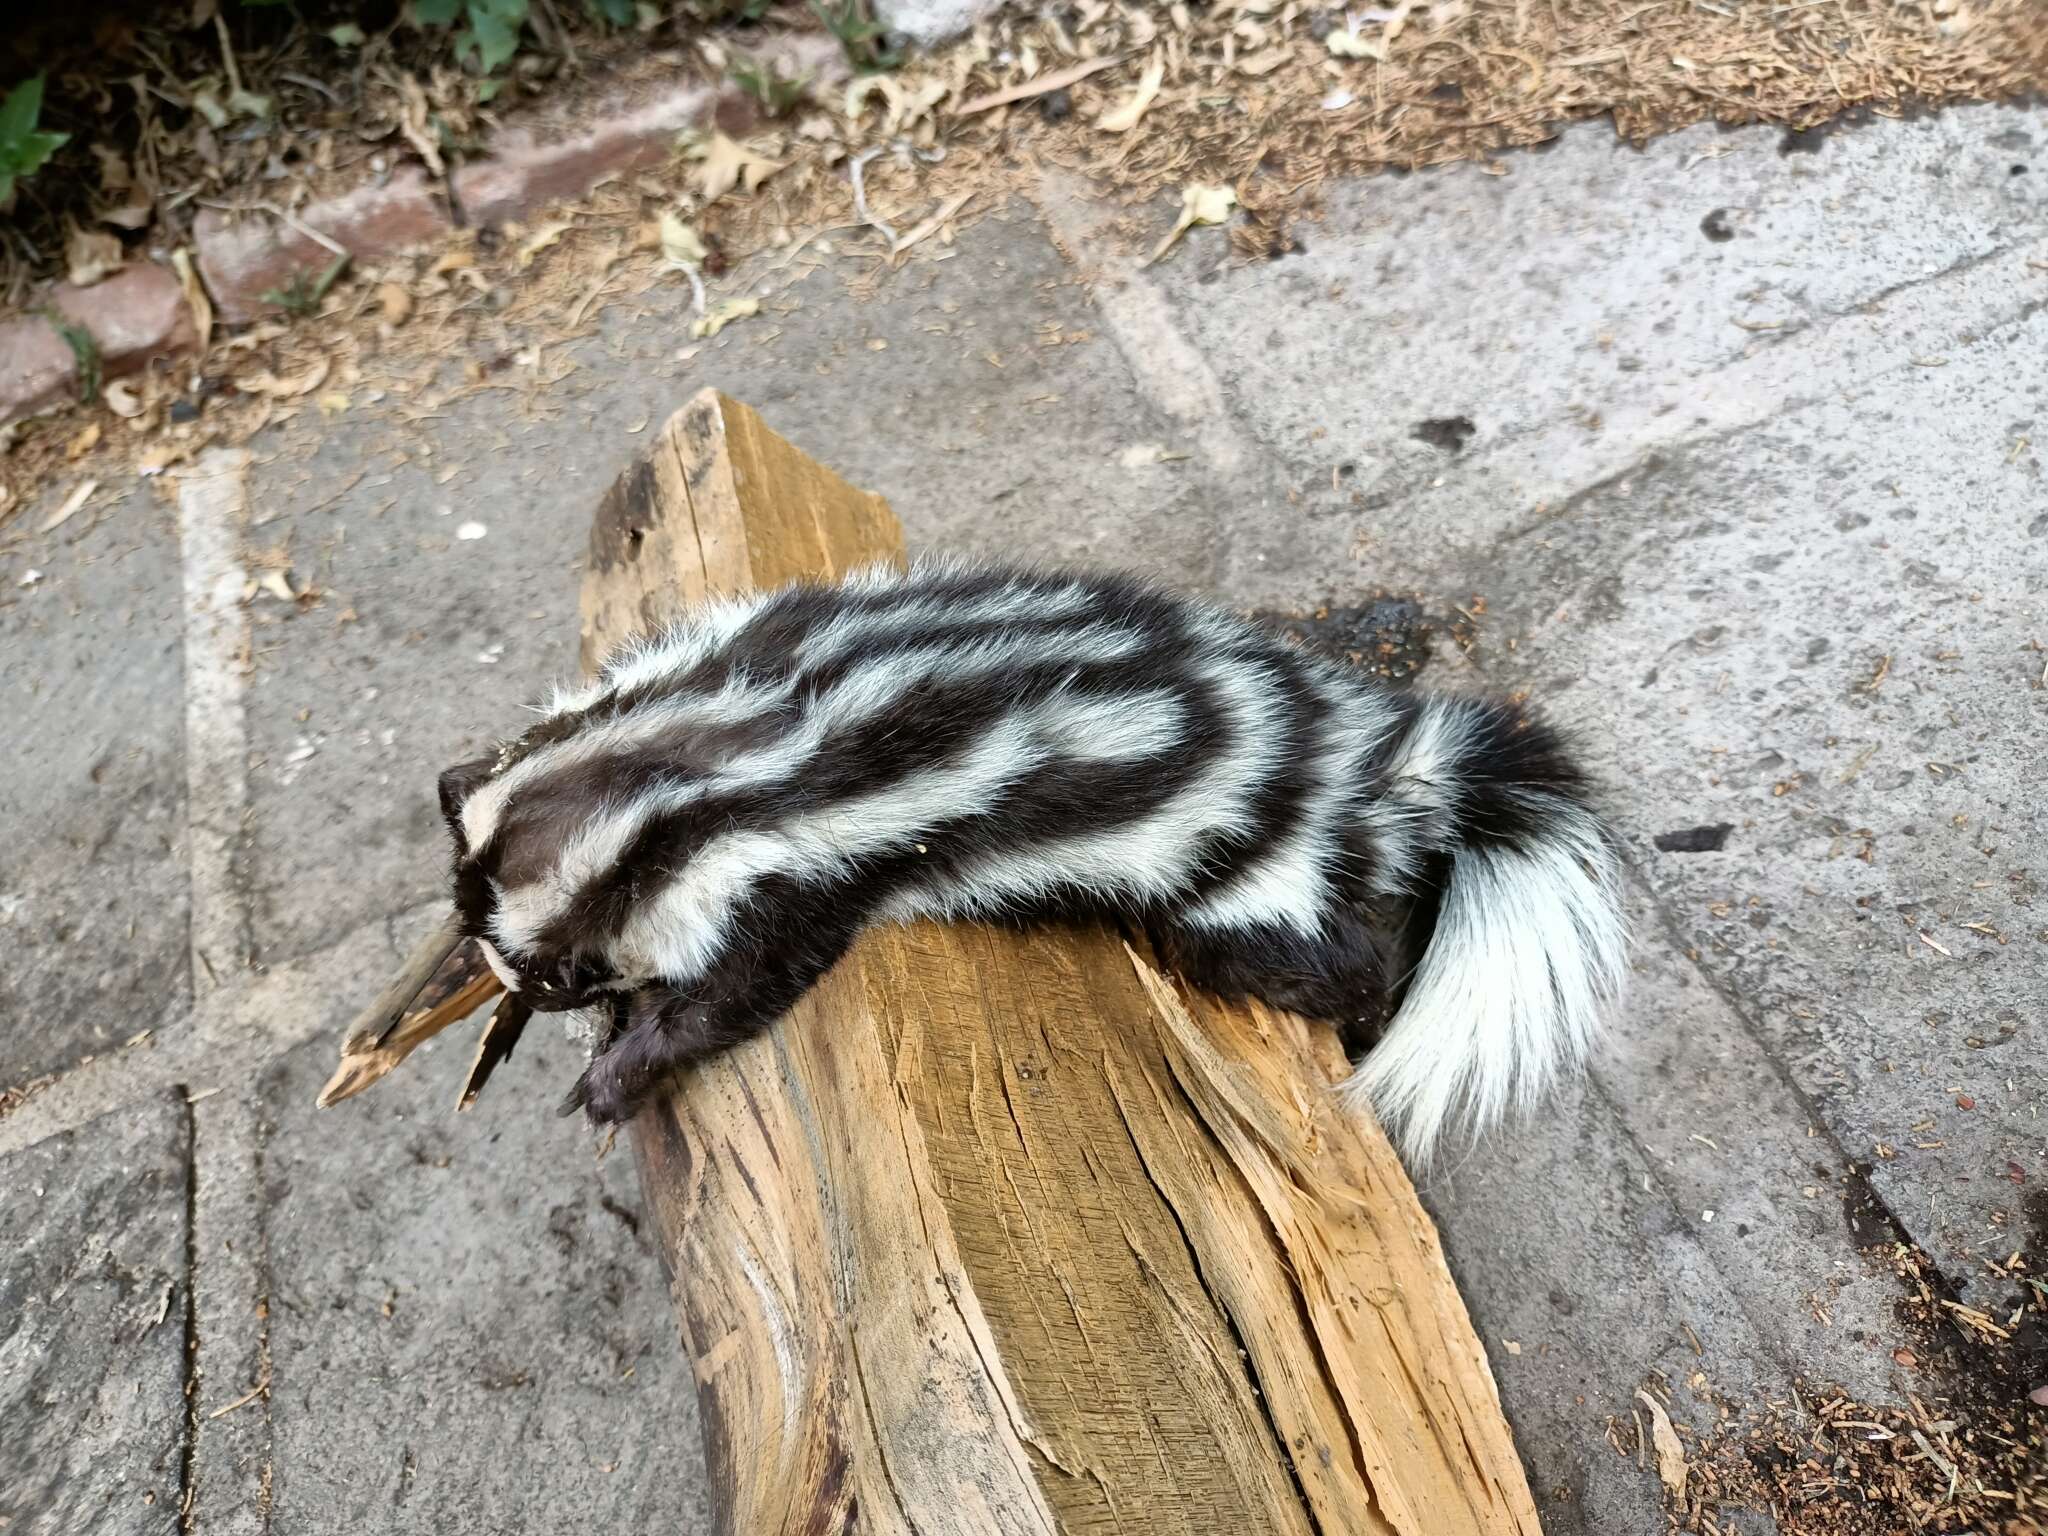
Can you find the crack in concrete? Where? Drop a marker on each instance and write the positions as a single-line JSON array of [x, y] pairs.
[[1977, 1359], [188, 1450]]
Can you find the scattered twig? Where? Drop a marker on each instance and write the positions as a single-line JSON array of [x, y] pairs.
[[854, 171], [227, 55], [243, 1401], [1044, 85], [283, 216], [930, 226]]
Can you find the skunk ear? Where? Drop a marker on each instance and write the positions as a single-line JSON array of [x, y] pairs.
[[458, 784]]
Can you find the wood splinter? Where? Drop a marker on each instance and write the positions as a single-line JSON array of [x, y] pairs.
[[445, 979]]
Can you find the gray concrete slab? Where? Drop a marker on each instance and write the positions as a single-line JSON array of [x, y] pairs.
[[1821, 636], [93, 1309], [92, 800], [468, 1329], [1454, 349], [1585, 1283]]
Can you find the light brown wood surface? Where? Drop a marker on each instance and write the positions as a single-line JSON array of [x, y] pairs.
[[1005, 1232]]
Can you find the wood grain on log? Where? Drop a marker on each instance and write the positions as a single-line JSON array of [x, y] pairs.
[[1005, 1232]]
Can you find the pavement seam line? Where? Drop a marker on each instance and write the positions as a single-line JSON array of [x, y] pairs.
[[1168, 368], [212, 506]]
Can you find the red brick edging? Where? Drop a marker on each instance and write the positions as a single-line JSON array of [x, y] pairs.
[[139, 314]]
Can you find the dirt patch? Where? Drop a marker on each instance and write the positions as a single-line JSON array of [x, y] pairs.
[[1390, 634], [1447, 433], [1961, 1448]]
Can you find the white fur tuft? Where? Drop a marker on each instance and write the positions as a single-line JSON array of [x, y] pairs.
[[1530, 946]]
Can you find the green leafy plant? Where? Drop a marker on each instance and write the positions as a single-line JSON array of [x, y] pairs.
[[85, 353], [775, 91], [489, 30], [859, 34], [23, 146], [619, 13]]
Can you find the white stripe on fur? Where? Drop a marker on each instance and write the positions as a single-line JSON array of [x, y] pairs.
[[1289, 883]]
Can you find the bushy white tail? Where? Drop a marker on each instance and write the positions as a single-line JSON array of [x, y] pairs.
[[1530, 948]]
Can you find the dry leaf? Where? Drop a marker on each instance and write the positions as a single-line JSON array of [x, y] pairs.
[[114, 173], [723, 315], [89, 255], [1352, 45], [1198, 205], [71, 504], [196, 301], [84, 443], [539, 241], [155, 460], [277, 585], [1671, 1463], [254, 337], [725, 164], [131, 215], [264, 382], [414, 121], [1059, 79], [454, 260], [1392, 19], [903, 104], [680, 244], [122, 400], [1124, 118], [394, 304], [1265, 63]]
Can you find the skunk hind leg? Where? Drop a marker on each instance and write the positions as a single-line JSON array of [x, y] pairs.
[[1346, 972]]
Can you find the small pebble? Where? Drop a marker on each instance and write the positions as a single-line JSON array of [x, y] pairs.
[[184, 410]]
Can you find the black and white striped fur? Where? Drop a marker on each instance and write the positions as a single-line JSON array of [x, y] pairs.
[[694, 839]]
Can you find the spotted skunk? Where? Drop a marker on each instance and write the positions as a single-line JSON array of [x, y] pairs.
[[690, 842]]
